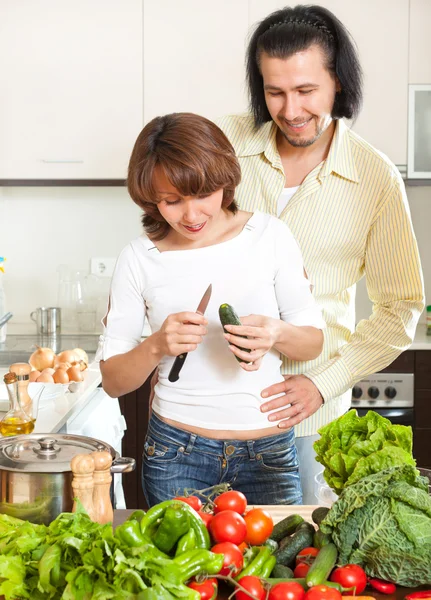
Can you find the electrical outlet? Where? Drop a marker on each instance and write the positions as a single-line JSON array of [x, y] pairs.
[[102, 267]]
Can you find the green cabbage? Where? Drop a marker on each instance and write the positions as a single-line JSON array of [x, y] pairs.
[[353, 447], [383, 524]]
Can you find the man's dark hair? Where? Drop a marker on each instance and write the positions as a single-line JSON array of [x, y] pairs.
[[290, 30]]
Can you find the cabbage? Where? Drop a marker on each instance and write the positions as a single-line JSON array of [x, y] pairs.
[[383, 524], [353, 447]]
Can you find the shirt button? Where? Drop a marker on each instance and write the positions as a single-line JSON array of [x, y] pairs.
[[230, 450]]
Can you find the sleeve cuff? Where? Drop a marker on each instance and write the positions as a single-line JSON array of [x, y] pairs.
[[332, 378], [110, 347]]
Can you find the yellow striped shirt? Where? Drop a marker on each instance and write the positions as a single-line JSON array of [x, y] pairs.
[[350, 217]]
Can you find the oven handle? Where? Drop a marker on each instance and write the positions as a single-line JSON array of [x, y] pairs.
[[398, 416]]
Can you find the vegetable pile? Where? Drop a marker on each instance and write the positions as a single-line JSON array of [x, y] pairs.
[[353, 447]]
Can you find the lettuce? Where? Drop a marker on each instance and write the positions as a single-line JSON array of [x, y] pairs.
[[383, 524], [353, 447]]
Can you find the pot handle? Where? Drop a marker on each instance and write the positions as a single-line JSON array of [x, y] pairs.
[[123, 464]]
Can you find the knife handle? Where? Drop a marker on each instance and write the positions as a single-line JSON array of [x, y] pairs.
[[174, 373]]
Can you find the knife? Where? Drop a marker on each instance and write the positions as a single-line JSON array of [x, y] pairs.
[[174, 373]]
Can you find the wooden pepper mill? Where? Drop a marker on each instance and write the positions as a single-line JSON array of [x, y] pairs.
[[83, 466], [102, 485]]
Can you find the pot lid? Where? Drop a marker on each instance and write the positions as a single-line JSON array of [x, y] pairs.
[[46, 453]]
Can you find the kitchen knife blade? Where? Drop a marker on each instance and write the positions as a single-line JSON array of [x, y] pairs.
[[174, 373]]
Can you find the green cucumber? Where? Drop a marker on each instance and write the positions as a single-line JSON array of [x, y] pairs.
[[286, 527], [228, 316], [306, 526], [320, 539], [319, 514], [282, 572], [297, 542], [322, 565]]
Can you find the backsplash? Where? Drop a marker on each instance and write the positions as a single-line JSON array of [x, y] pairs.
[[43, 227]]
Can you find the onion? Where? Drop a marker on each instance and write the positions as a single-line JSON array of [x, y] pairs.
[[50, 371], [75, 373], [82, 355], [81, 364], [67, 356], [45, 378], [60, 376], [62, 365], [42, 358], [34, 375]]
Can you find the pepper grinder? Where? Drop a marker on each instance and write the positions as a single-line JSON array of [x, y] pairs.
[[82, 466], [102, 486]]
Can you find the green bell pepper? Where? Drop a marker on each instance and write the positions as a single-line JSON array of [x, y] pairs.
[[130, 534], [175, 524]]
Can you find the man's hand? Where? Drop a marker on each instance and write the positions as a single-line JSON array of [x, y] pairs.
[[300, 400]]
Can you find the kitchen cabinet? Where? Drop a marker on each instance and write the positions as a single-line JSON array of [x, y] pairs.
[[71, 101], [420, 42], [194, 57], [422, 431]]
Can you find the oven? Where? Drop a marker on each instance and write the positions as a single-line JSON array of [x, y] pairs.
[[389, 394]]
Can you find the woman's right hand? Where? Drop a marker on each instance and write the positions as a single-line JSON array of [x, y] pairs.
[[181, 332]]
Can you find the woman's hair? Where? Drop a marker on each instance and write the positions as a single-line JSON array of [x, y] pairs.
[[194, 154], [291, 30]]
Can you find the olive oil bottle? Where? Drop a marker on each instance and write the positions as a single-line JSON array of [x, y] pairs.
[[16, 421]]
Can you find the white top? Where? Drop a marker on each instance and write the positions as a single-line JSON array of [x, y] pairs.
[[259, 271], [285, 196]]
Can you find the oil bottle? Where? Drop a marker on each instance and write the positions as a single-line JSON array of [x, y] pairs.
[[16, 421]]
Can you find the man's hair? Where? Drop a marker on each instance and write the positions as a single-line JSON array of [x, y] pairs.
[[194, 154], [290, 30]]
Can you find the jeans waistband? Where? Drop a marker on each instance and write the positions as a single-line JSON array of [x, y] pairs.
[[188, 440]]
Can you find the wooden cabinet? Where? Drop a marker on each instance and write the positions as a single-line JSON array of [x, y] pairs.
[[71, 100], [422, 431]]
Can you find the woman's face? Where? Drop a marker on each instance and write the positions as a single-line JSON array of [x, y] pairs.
[[193, 218]]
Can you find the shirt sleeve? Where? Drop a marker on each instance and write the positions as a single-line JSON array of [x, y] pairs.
[[295, 300], [124, 321], [395, 287]]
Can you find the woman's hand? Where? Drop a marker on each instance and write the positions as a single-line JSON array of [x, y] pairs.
[[262, 334], [181, 332]]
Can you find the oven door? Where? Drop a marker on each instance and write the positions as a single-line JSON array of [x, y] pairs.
[[397, 416]]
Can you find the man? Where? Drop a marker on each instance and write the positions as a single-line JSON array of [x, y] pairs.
[[343, 200]]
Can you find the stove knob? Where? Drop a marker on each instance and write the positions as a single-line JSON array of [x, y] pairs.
[[356, 392], [390, 392], [373, 392]]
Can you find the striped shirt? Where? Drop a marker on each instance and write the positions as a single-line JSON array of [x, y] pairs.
[[350, 217]]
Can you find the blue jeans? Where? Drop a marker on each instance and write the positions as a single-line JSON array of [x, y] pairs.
[[266, 469]]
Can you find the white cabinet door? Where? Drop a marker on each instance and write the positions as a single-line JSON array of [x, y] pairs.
[[420, 42], [71, 99], [381, 31], [194, 57]]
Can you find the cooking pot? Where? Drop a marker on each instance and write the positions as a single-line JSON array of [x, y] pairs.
[[35, 473]]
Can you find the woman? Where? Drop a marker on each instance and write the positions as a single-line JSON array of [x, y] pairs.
[[206, 427]]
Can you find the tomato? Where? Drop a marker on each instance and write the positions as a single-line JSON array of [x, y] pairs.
[[307, 554], [301, 570], [231, 500], [350, 576], [233, 558], [253, 585], [192, 501], [259, 526], [206, 517], [228, 526], [207, 589], [322, 592], [243, 546], [286, 591]]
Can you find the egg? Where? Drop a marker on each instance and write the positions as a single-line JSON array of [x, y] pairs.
[[45, 378], [75, 374], [49, 371], [61, 376], [34, 375]]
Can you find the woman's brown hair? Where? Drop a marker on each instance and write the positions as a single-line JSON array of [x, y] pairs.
[[196, 157]]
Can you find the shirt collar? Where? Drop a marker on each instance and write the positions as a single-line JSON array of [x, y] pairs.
[[340, 157]]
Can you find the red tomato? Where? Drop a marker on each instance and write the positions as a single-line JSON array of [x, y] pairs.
[[233, 558], [350, 576], [286, 591], [259, 526], [301, 570], [192, 501], [307, 554], [206, 517], [253, 585], [231, 500], [322, 592], [207, 589], [228, 526]]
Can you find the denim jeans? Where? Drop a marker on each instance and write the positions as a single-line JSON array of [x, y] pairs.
[[266, 469]]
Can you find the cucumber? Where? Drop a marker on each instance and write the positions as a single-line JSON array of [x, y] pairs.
[[319, 514], [286, 527], [272, 545], [305, 526], [320, 539], [299, 540], [228, 316], [282, 572], [322, 565]]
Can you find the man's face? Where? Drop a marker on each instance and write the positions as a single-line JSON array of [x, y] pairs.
[[299, 94]]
